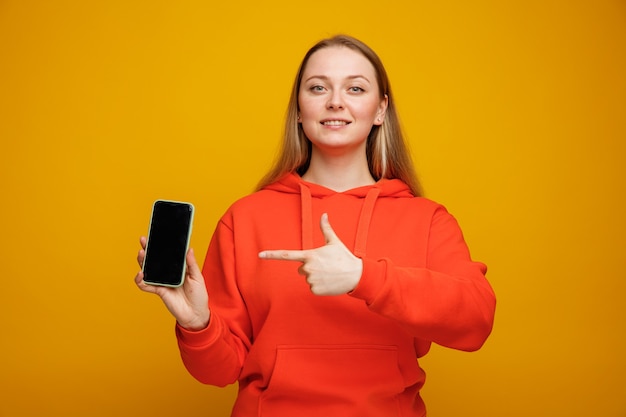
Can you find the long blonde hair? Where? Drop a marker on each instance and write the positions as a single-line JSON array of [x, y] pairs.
[[387, 153]]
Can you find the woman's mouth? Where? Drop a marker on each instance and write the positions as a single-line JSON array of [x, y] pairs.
[[335, 122]]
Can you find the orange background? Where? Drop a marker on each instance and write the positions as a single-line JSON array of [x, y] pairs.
[[516, 113]]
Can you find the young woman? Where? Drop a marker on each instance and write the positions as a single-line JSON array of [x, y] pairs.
[[321, 290]]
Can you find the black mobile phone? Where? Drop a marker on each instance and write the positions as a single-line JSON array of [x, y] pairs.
[[168, 241]]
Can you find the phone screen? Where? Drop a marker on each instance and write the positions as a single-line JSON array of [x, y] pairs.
[[168, 241]]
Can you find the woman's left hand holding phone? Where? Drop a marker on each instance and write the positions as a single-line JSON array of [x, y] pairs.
[[189, 303]]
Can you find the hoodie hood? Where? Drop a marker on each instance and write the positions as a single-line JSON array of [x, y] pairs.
[[385, 188]]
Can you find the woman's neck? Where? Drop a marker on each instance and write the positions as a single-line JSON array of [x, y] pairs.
[[339, 173]]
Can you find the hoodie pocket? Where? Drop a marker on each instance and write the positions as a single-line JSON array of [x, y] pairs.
[[335, 380]]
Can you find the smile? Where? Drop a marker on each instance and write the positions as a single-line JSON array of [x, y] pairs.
[[335, 123]]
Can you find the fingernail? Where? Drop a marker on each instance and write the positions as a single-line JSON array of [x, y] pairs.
[[262, 254]]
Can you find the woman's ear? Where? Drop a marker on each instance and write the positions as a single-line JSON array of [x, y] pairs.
[[382, 109]]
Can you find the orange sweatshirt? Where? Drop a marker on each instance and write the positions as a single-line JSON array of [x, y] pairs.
[[297, 354]]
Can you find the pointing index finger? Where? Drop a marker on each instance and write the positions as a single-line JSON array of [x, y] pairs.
[[285, 255]]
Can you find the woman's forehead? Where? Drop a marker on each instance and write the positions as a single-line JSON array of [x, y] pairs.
[[337, 61]]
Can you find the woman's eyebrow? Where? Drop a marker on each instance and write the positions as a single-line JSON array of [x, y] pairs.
[[326, 78]]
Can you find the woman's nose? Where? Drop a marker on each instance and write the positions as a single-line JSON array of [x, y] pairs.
[[335, 100]]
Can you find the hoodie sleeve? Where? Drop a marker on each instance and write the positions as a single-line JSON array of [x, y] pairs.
[[448, 302], [215, 355]]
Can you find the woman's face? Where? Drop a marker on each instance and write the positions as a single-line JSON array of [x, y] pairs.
[[339, 100]]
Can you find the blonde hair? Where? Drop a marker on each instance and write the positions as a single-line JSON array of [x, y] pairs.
[[387, 153]]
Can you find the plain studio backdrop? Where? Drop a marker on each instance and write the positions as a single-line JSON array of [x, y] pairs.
[[516, 116]]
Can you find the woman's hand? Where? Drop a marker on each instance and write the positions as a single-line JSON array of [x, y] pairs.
[[189, 303], [330, 269]]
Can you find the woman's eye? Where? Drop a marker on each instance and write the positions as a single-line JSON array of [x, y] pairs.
[[317, 88], [356, 90]]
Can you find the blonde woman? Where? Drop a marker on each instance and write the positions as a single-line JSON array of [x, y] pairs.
[[321, 290]]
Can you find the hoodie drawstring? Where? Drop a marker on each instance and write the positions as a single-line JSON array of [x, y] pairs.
[[360, 242], [307, 217]]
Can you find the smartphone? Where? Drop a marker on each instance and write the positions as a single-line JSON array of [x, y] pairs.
[[168, 241]]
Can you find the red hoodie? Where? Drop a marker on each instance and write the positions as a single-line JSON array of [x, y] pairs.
[[296, 354]]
